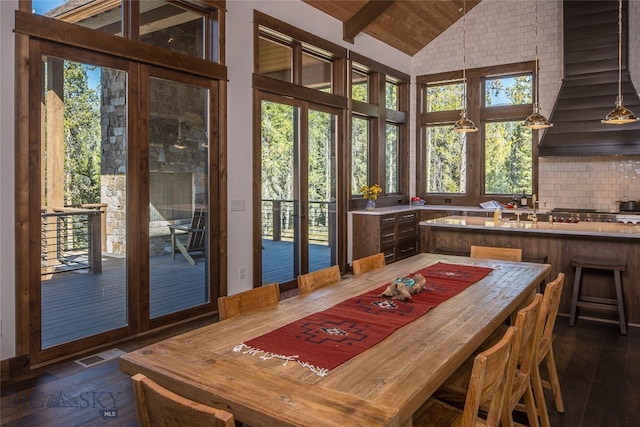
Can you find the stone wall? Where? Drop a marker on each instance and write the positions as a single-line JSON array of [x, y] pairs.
[[177, 144]]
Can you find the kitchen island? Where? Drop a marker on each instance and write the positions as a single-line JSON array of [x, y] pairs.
[[554, 243]]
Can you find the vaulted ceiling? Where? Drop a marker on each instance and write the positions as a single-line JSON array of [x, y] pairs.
[[407, 25]]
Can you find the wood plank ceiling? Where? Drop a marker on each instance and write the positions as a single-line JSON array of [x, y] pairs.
[[407, 25]]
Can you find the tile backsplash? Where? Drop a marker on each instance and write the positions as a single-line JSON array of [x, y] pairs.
[[588, 182]]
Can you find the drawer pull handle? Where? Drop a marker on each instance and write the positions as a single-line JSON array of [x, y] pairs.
[[388, 235], [412, 230], [409, 216], [404, 251]]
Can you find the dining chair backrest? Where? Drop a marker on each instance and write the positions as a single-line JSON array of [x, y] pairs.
[[521, 364], [487, 386], [157, 406], [488, 380], [547, 321], [492, 252], [371, 262], [262, 297], [317, 279]]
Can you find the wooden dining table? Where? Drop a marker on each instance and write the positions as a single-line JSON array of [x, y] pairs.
[[382, 386]]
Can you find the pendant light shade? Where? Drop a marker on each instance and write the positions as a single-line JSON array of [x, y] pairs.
[[619, 115], [464, 124], [536, 120]]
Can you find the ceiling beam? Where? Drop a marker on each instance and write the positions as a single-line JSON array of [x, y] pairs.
[[364, 17]]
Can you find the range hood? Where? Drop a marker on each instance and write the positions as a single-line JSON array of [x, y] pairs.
[[590, 84]]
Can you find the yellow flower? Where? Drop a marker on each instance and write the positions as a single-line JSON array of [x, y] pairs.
[[371, 193]]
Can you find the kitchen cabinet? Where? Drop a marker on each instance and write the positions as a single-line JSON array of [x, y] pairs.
[[395, 234]]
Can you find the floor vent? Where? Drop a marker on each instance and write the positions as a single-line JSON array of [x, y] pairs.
[[100, 357]]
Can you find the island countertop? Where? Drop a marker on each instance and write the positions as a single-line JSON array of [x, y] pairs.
[[444, 208], [595, 229]]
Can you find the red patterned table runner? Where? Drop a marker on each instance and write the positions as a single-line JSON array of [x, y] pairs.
[[326, 339]]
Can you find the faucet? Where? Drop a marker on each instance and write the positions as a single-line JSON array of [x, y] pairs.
[[533, 215], [518, 218]]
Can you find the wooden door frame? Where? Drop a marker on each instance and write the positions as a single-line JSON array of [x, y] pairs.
[[28, 201], [341, 223]]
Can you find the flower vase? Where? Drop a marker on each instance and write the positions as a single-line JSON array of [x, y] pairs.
[[371, 205]]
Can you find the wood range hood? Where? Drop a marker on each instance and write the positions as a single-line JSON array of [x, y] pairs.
[[590, 84]]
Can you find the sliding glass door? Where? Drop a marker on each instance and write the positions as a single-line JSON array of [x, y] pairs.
[[123, 200], [178, 195], [83, 191], [298, 188]]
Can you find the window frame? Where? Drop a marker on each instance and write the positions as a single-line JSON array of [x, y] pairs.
[[475, 142], [379, 116]]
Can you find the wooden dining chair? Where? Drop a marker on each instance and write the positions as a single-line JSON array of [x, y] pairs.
[[371, 262], [521, 366], [262, 297], [492, 252], [487, 384], [317, 279], [547, 321], [157, 407]]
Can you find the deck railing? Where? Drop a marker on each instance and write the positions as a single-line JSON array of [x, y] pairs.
[[278, 219], [71, 240]]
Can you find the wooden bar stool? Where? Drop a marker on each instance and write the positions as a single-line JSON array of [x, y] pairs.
[[615, 304]]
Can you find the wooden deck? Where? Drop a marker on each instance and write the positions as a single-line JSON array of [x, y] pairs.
[[277, 260], [80, 304]]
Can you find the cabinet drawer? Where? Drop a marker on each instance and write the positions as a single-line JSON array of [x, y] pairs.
[[407, 217], [408, 230], [387, 220], [405, 250], [387, 234], [389, 254]]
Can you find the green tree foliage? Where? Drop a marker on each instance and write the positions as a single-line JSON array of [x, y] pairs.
[[81, 136], [277, 150], [359, 154], [508, 145]]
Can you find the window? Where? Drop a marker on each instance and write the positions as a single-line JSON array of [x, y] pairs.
[[498, 100], [392, 157], [379, 126], [507, 158], [292, 58], [359, 154], [359, 86], [191, 29]]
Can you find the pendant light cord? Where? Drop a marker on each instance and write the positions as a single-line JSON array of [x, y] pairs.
[[464, 55], [619, 100], [537, 75]]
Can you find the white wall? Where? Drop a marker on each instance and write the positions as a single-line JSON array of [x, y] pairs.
[[239, 61], [7, 217], [499, 32]]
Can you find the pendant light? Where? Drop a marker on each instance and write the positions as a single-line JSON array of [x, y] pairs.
[[536, 120], [463, 124], [179, 144], [619, 115]]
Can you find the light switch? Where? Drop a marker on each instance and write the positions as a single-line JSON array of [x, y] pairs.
[[238, 205]]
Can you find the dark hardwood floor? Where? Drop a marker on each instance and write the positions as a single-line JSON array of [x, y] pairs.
[[599, 373]]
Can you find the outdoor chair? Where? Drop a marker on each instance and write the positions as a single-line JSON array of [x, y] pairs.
[[196, 236]]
